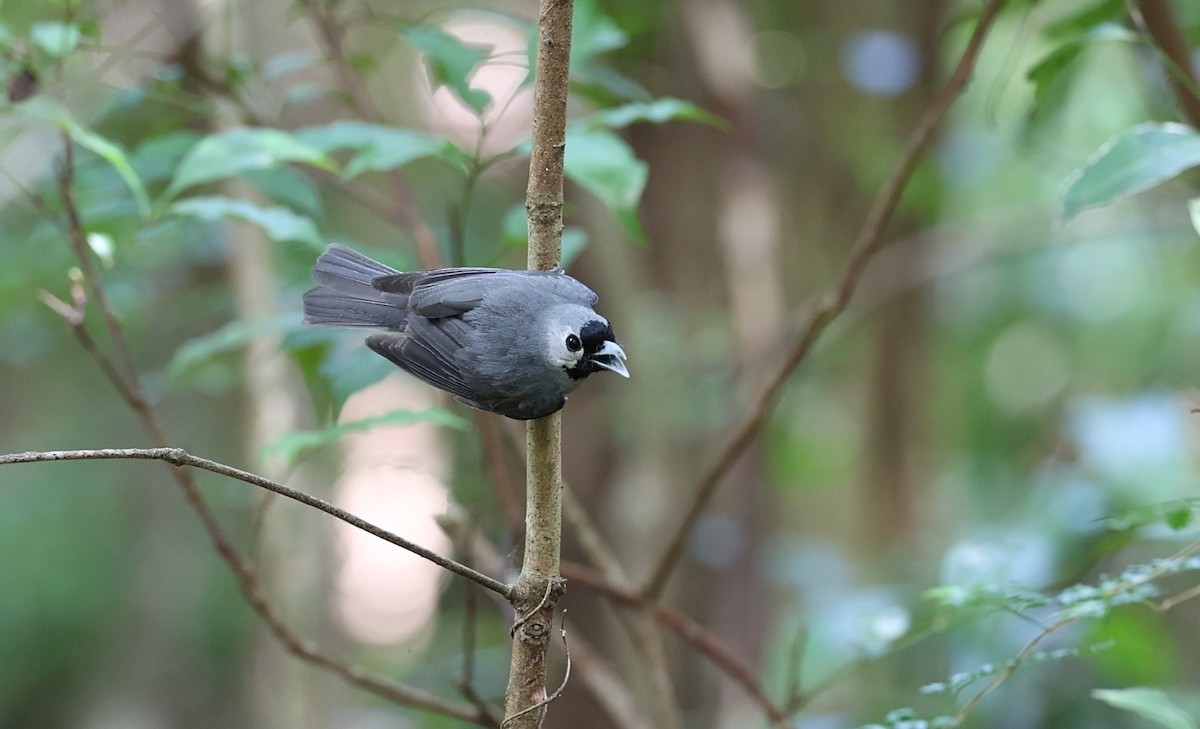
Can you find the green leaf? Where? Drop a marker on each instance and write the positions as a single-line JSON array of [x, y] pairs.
[[43, 109], [1149, 703], [1179, 518], [229, 338], [345, 367], [1086, 18], [1046, 72], [293, 445], [289, 187], [658, 111], [56, 39], [280, 223], [605, 87], [228, 153], [377, 147], [603, 164], [1134, 160], [593, 32], [451, 62], [1194, 212], [157, 158]]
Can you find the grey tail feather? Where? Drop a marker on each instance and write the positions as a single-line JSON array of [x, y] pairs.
[[345, 296]]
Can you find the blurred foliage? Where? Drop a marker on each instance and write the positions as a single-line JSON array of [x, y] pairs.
[[1050, 433]]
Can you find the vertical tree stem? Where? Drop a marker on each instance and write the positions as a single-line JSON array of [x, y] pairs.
[[540, 584]]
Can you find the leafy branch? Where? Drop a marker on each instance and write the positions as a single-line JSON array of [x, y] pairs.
[[123, 375]]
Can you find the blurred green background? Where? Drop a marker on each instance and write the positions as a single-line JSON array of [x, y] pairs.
[[1004, 412]]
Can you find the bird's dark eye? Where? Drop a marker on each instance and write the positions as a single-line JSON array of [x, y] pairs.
[[573, 343]]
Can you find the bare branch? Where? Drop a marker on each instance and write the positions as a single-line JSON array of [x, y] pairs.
[[686, 628], [1171, 602], [180, 457], [870, 240]]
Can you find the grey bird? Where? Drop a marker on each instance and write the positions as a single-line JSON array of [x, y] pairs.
[[509, 342]]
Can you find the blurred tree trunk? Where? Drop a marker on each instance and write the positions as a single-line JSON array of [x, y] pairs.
[[891, 495]]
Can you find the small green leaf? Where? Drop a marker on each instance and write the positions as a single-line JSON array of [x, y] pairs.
[[1179, 518], [293, 445], [279, 223], [157, 158], [56, 39], [603, 164], [377, 147], [593, 32], [1149, 703], [229, 338], [451, 62], [1046, 72], [228, 153], [347, 367], [658, 111], [46, 110], [1134, 160], [289, 187], [605, 87], [1086, 18]]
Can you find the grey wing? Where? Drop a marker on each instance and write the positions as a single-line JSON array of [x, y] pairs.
[[452, 292], [406, 283], [428, 351]]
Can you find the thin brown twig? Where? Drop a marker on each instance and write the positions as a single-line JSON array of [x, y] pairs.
[[1175, 600], [870, 239], [77, 237], [1008, 671], [1157, 23], [74, 317], [180, 457], [686, 628], [587, 535]]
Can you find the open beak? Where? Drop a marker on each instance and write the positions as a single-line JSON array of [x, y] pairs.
[[610, 356]]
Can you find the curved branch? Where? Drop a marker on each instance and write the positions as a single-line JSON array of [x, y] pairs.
[[180, 457], [870, 239], [686, 628]]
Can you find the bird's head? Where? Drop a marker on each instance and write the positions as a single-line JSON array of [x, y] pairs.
[[582, 342]]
